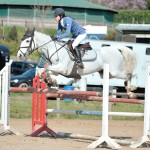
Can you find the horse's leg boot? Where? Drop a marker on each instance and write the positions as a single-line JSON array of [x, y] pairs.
[[79, 60]]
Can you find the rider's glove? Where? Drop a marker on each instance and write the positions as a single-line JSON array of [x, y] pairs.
[[54, 38]]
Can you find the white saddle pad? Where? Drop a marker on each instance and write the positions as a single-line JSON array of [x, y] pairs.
[[89, 55]]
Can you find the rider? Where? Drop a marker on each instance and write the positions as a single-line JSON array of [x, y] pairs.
[[71, 26]]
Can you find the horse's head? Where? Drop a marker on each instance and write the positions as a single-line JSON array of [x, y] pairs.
[[27, 45]]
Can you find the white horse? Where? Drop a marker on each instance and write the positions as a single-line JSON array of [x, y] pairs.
[[122, 60]]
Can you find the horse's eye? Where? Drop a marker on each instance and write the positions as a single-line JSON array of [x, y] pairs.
[[27, 41]]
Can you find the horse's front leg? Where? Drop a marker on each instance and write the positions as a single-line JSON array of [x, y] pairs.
[[55, 69], [50, 80], [49, 74]]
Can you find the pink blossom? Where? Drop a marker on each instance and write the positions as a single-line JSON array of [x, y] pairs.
[[124, 4]]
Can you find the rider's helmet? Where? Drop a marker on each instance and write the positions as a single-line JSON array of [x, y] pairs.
[[60, 12]]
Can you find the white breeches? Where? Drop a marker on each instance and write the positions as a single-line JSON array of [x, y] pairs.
[[78, 40]]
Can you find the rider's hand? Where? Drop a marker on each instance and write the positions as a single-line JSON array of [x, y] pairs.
[[54, 38]]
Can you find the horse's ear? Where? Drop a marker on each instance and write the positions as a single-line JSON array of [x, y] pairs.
[[33, 29]]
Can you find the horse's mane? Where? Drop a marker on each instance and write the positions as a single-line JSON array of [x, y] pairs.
[[30, 33], [42, 34]]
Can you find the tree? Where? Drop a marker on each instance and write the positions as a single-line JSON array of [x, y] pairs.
[[13, 34], [93, 1], [148, 4], [41, 12], [124, 4]]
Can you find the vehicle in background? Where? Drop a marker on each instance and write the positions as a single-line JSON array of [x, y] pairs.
[[24, 80], [4, 56], [19, 67], [142, 52], [5, 52], [95, 32]]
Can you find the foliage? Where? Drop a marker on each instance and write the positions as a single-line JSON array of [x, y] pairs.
[[1, 32], [133, 16], [13, 46], [124, 4], [12, 34], [148, 4], [111, 35], [12, 39]]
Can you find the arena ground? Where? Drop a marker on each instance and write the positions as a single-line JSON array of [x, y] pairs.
[[130, 130]]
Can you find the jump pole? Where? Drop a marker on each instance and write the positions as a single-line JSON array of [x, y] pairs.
[[81, 95], [105, 138], [4, 97], [97, 113], [96, 98], [5, 100], [89, 137], [39, 107], [53, 91]]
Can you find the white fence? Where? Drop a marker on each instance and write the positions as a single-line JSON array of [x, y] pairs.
[[5, 100], [5, 109]]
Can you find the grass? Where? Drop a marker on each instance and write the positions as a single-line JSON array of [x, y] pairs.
[[21, 107]]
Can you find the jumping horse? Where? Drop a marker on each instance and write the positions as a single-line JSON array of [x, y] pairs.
[[122, 60]]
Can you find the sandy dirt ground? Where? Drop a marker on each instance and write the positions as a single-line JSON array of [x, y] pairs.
[[130, 130]]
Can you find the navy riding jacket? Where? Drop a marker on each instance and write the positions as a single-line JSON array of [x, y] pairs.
[[71, 26]]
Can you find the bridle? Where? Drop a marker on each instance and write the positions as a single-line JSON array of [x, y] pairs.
[[30, 49]]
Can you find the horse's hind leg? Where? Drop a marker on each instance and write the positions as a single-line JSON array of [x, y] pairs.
[[129, 88]]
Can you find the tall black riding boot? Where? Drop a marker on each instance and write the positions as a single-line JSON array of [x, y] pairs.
[[79, 60]]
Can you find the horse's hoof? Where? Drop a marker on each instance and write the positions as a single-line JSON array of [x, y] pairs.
[[131, 95], [132, 88]]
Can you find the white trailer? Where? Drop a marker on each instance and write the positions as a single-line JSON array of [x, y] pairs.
[[143, 60]]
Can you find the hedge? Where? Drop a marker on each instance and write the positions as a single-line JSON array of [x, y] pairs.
[[133, 16]]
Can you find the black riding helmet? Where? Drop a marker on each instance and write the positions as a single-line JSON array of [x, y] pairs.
[[60, 12]]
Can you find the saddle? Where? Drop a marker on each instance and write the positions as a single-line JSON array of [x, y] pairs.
[[82, 47]]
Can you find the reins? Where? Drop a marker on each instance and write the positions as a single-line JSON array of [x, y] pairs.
[[30, 49], [49, 58], [57, 51]]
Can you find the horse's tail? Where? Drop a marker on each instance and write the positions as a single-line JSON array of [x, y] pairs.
[[130, 60]]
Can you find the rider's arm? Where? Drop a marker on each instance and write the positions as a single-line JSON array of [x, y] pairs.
[[59, 31], [68, 23]]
